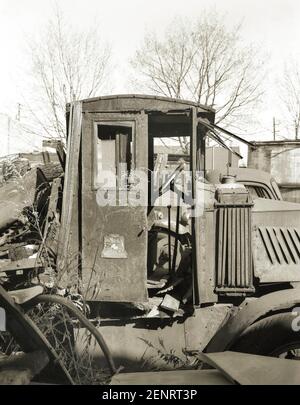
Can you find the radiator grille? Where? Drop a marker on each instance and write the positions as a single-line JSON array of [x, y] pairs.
[[234, 258]]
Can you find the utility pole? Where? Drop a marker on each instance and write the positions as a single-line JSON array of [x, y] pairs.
[[8, 133], [296, 129], [18, 117], [274, 129]]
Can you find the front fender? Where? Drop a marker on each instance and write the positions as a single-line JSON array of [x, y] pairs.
[[249, 312]]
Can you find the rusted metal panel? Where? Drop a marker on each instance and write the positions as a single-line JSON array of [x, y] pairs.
[[276, 255], [15, 195], [113, 278], [203, 324], [203, 224], [206, 275]]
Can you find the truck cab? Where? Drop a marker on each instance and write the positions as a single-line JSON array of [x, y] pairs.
[[162, 252]]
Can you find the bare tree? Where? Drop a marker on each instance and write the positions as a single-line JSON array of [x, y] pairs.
[[290, 95], [66, 65], [203, 61]]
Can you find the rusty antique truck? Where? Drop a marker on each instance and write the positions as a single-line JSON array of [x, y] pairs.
[[208, 264], [171, 258]]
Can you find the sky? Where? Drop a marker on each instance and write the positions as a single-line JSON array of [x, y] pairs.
[[272, 24]]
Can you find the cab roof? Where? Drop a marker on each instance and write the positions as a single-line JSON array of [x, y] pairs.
[[124, 102]]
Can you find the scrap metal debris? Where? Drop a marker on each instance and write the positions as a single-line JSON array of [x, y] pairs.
[[26, 225]]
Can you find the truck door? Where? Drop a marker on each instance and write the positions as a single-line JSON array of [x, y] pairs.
[[114, 206]]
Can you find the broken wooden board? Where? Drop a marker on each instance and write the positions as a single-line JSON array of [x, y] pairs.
[[20, 369], [176, 377], [70, 182], [24, 295], [170, 303], [23, 264], [52, 225], [229, 368], [250, 369]]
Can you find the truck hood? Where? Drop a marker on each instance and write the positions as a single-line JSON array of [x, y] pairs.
[[263, 204], [276, 240]]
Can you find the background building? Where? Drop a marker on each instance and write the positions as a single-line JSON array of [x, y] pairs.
[[282, 160]]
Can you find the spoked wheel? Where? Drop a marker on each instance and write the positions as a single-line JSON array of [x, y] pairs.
[[23, 335], [77, 342], [290, 352], [75, 339]]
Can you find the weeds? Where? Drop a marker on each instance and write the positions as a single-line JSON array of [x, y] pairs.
[[167, 359], [76, 346]]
